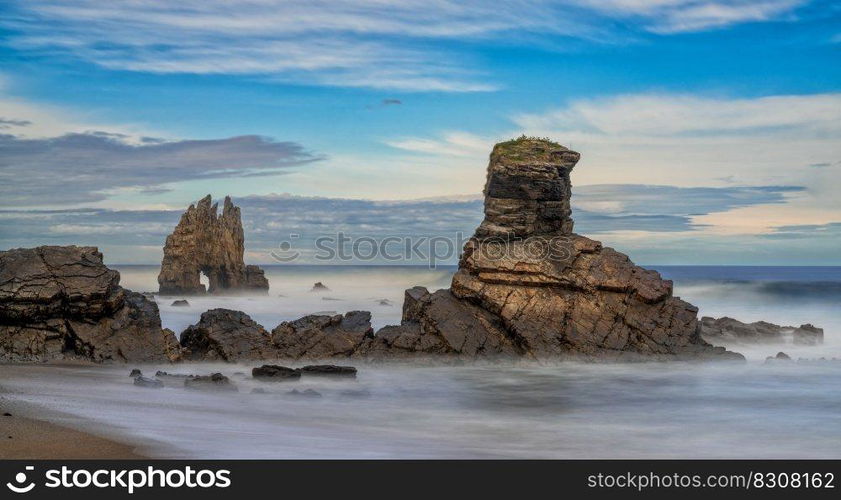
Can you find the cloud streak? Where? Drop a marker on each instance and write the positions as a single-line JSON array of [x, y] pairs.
[[84, 167], [409, 45]]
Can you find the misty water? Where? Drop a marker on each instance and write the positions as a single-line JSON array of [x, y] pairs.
[[565, 410]]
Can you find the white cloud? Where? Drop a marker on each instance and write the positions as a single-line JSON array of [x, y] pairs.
[[25, 119], [404, 45], [674, 16]]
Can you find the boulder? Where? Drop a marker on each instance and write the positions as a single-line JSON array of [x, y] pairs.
[[322, 337], [275, 373], [206, 242], [64, 303], [440, 324], [135, 373], [319, 287], [226, 335]]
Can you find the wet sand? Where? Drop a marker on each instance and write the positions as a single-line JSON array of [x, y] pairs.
[[25, 436]]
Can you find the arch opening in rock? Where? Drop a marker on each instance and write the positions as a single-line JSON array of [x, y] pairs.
[[204, 280]]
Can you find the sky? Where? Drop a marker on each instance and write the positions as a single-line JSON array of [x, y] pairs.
[[710, 131]]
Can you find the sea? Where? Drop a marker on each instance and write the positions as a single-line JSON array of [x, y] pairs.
[[754, 409]]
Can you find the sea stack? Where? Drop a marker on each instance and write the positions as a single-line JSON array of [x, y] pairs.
[[527, 286], [209, 243]]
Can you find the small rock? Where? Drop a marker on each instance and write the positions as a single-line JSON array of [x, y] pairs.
[[259, 390], [309, 393], [331, 299], [216, 381], [781, 356], [275, 373], [7, 414], [151, 383], [329, 371], [320, 287], [135, 373], [180, 303], [384, 302]]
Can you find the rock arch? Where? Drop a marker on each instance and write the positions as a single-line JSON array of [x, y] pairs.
[[209, 243]]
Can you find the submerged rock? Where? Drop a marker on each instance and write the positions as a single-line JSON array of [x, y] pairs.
[[64, 303], [307, 393], [275, 373], [329, 371], [209, 243], [215, 381], [807, 334], [151, 383], [781, 356], [180, 303], [727, 330], [226, 335]]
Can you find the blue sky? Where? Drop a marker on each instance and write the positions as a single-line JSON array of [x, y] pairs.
[[133, 109]]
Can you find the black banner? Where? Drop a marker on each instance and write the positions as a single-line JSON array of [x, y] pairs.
[[184, 479]]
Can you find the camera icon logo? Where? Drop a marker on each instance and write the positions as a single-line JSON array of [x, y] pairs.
[[20, 479]]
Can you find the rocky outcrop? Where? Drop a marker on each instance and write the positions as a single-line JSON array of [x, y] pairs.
[[226, 335], [64, 303], [321, 337], [728, 331], [212, 244], [436, 324], [527, 286]]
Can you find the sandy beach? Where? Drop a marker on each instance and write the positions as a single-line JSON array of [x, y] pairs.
[[26, 433]]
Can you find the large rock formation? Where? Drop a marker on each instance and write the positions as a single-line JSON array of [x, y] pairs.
[[209, 243], [528, 286], [554, 293], [64, 303]]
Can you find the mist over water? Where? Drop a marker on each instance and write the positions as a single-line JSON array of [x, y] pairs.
[[567, 410]]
